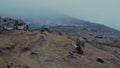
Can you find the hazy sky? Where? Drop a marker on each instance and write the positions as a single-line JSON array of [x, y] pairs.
[[99, 11]]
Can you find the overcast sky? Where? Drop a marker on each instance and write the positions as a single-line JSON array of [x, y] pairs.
[[99, 11]]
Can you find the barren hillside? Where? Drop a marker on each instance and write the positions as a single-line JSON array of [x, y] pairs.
[[44, 49]]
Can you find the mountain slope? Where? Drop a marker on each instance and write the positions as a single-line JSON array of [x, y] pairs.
[[43, 49]]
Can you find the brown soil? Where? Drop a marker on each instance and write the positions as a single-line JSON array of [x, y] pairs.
[[24, 49]]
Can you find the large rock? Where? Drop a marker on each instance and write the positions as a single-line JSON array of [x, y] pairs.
[[11, 24], [79, 46]]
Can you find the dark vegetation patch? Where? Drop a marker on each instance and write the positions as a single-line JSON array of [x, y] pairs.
[[45, 29], [1, 52], [33, 53], [24, 49], [8, 66], [71, 55], [9, 48]]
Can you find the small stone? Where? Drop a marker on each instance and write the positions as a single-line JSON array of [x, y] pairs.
[[100, 60], [26, 67]]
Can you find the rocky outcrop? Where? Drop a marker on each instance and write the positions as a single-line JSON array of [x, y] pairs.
[[11, 24], [79, 46]]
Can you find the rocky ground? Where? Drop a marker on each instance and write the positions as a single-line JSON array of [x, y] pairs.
[[46, 49]]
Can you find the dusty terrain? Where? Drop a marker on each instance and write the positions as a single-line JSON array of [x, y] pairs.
[[25, 49]]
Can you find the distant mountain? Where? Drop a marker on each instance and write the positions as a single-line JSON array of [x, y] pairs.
[[64, 20], [52, 18]]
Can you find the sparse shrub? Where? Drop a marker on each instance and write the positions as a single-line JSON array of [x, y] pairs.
[[24, 49], [1, 52], [85, 39], [45, 29], [33, 53], [8, 66]]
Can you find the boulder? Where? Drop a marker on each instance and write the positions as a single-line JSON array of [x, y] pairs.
[[79, 46]]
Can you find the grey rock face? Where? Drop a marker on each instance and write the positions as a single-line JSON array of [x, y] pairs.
[[11, 24]]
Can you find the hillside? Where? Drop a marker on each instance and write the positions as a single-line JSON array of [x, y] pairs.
[[48, 49]]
